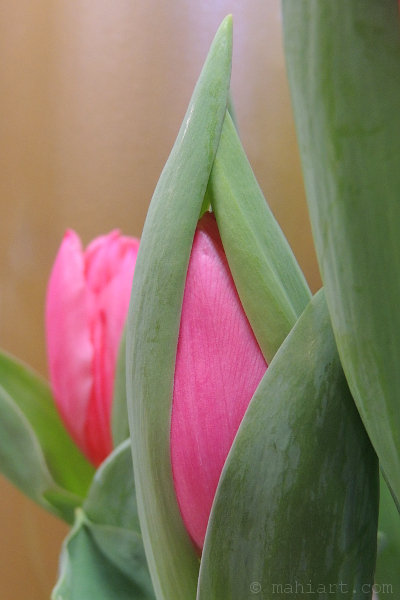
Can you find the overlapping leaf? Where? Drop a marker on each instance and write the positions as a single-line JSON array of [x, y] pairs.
[[36, 452], [297, 502], [119, 412], [103, 557], [343, 61], [154, 318], [86, 573], [269, 281]]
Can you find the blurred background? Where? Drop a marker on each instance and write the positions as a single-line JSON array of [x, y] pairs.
[[92, 95]]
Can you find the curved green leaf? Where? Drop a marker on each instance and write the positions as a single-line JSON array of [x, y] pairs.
[[124, 549], [32, 395], [387, 575], [297, 502], [22, 461], [36, 452], [154, 319], [111, 498], [105, 549], [85, 573], [119, 412], [269, 281], [232, 111], [343, 60], [111, 508]]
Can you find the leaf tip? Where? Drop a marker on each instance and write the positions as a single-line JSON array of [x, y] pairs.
[[225, 30]]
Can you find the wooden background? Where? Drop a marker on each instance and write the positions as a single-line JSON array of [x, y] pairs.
[[91, 98]]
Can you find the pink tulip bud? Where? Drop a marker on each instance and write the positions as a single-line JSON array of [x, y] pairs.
[[86, 307], [218, 368]]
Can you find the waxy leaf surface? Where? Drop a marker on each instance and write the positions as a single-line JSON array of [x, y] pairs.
[[343, 61], [387, 574], [297, 501], [154, 319], [269, 281]]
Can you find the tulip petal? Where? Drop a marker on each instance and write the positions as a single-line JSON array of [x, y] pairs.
[[110, 263], [218, 368], [87, 303], [70, 351]]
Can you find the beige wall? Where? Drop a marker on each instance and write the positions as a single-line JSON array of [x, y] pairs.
[[91, 98]]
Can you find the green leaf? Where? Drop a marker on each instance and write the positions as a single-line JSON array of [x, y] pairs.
[[154, 319], [36, 453], [387, 575], [232, 111], [85, 573], [23, 463], [343, 61], [119, 412], [297, 501], [111, 508], [112, 498], [269, 281], [104, 554]]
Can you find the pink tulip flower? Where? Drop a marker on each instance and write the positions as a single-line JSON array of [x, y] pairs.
[[218, 368], [86, 307]]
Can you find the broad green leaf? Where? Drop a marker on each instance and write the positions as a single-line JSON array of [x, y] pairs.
[[119, 412], [105, 550], [111, 498], [297, 502], [387, 575], [154, 319], [343, 61], [86, 574], [36, 452], [269, 281], [114, 522], [125, 550], [23, 463]]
